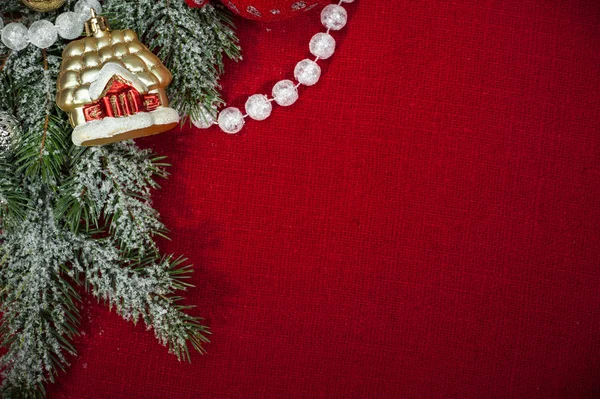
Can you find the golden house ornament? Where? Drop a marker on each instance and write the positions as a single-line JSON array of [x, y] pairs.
[[113, 87]]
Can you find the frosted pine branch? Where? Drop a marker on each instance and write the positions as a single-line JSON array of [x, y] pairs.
[[144, 290], [111, 185], [40, 316], [73, 216]]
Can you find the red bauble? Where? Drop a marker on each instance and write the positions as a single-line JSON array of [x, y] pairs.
[[196, 3], [271, 10]]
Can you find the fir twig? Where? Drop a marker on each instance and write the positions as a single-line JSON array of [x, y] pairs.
[[43, 155], [109, 187], [38, 304], [14, 204], [144, 289]]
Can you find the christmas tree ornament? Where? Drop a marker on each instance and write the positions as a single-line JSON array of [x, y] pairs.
[[44, 5], [8, 134], [113, 87], [196, 3], [270, 10]]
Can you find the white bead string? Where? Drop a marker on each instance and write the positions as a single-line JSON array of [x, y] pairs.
[[285, 92], [43, 33]]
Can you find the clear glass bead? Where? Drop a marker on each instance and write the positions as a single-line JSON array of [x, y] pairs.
[[334, 17], [231, 120], [258, 107], [322, 45], [15, 36], [285, 93], [69, 26], [42, 33], [307, 72], [205, 118], [82, 8], [347, 1]]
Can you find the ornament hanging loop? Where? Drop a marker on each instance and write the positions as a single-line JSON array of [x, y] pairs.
[[97, 23]]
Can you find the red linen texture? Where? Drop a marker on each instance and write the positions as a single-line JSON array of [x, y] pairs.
[[422, 223]]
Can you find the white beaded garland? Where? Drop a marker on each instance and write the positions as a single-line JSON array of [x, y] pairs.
[[69, 26], [307, 72], [42, 33], [334, 17], [205, 118], [15, 36], [258, 107], [285, 93], [322, 45], [231, 120]]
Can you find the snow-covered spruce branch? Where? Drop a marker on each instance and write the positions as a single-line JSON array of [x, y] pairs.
[[38, 304], [145, 290], [111, 186], [71, 216], [41, 262], [14, 202], [31, 89]]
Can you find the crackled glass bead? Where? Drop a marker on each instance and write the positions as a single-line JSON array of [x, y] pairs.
[[322, 45], [15, 36], [307, 72], [205, 118], [42, 34], [231, 120], [82, 8], [285, 93], [334, 17], [69, 26], [258, 107]]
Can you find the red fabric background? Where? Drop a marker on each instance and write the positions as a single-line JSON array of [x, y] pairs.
[[423, 223]]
